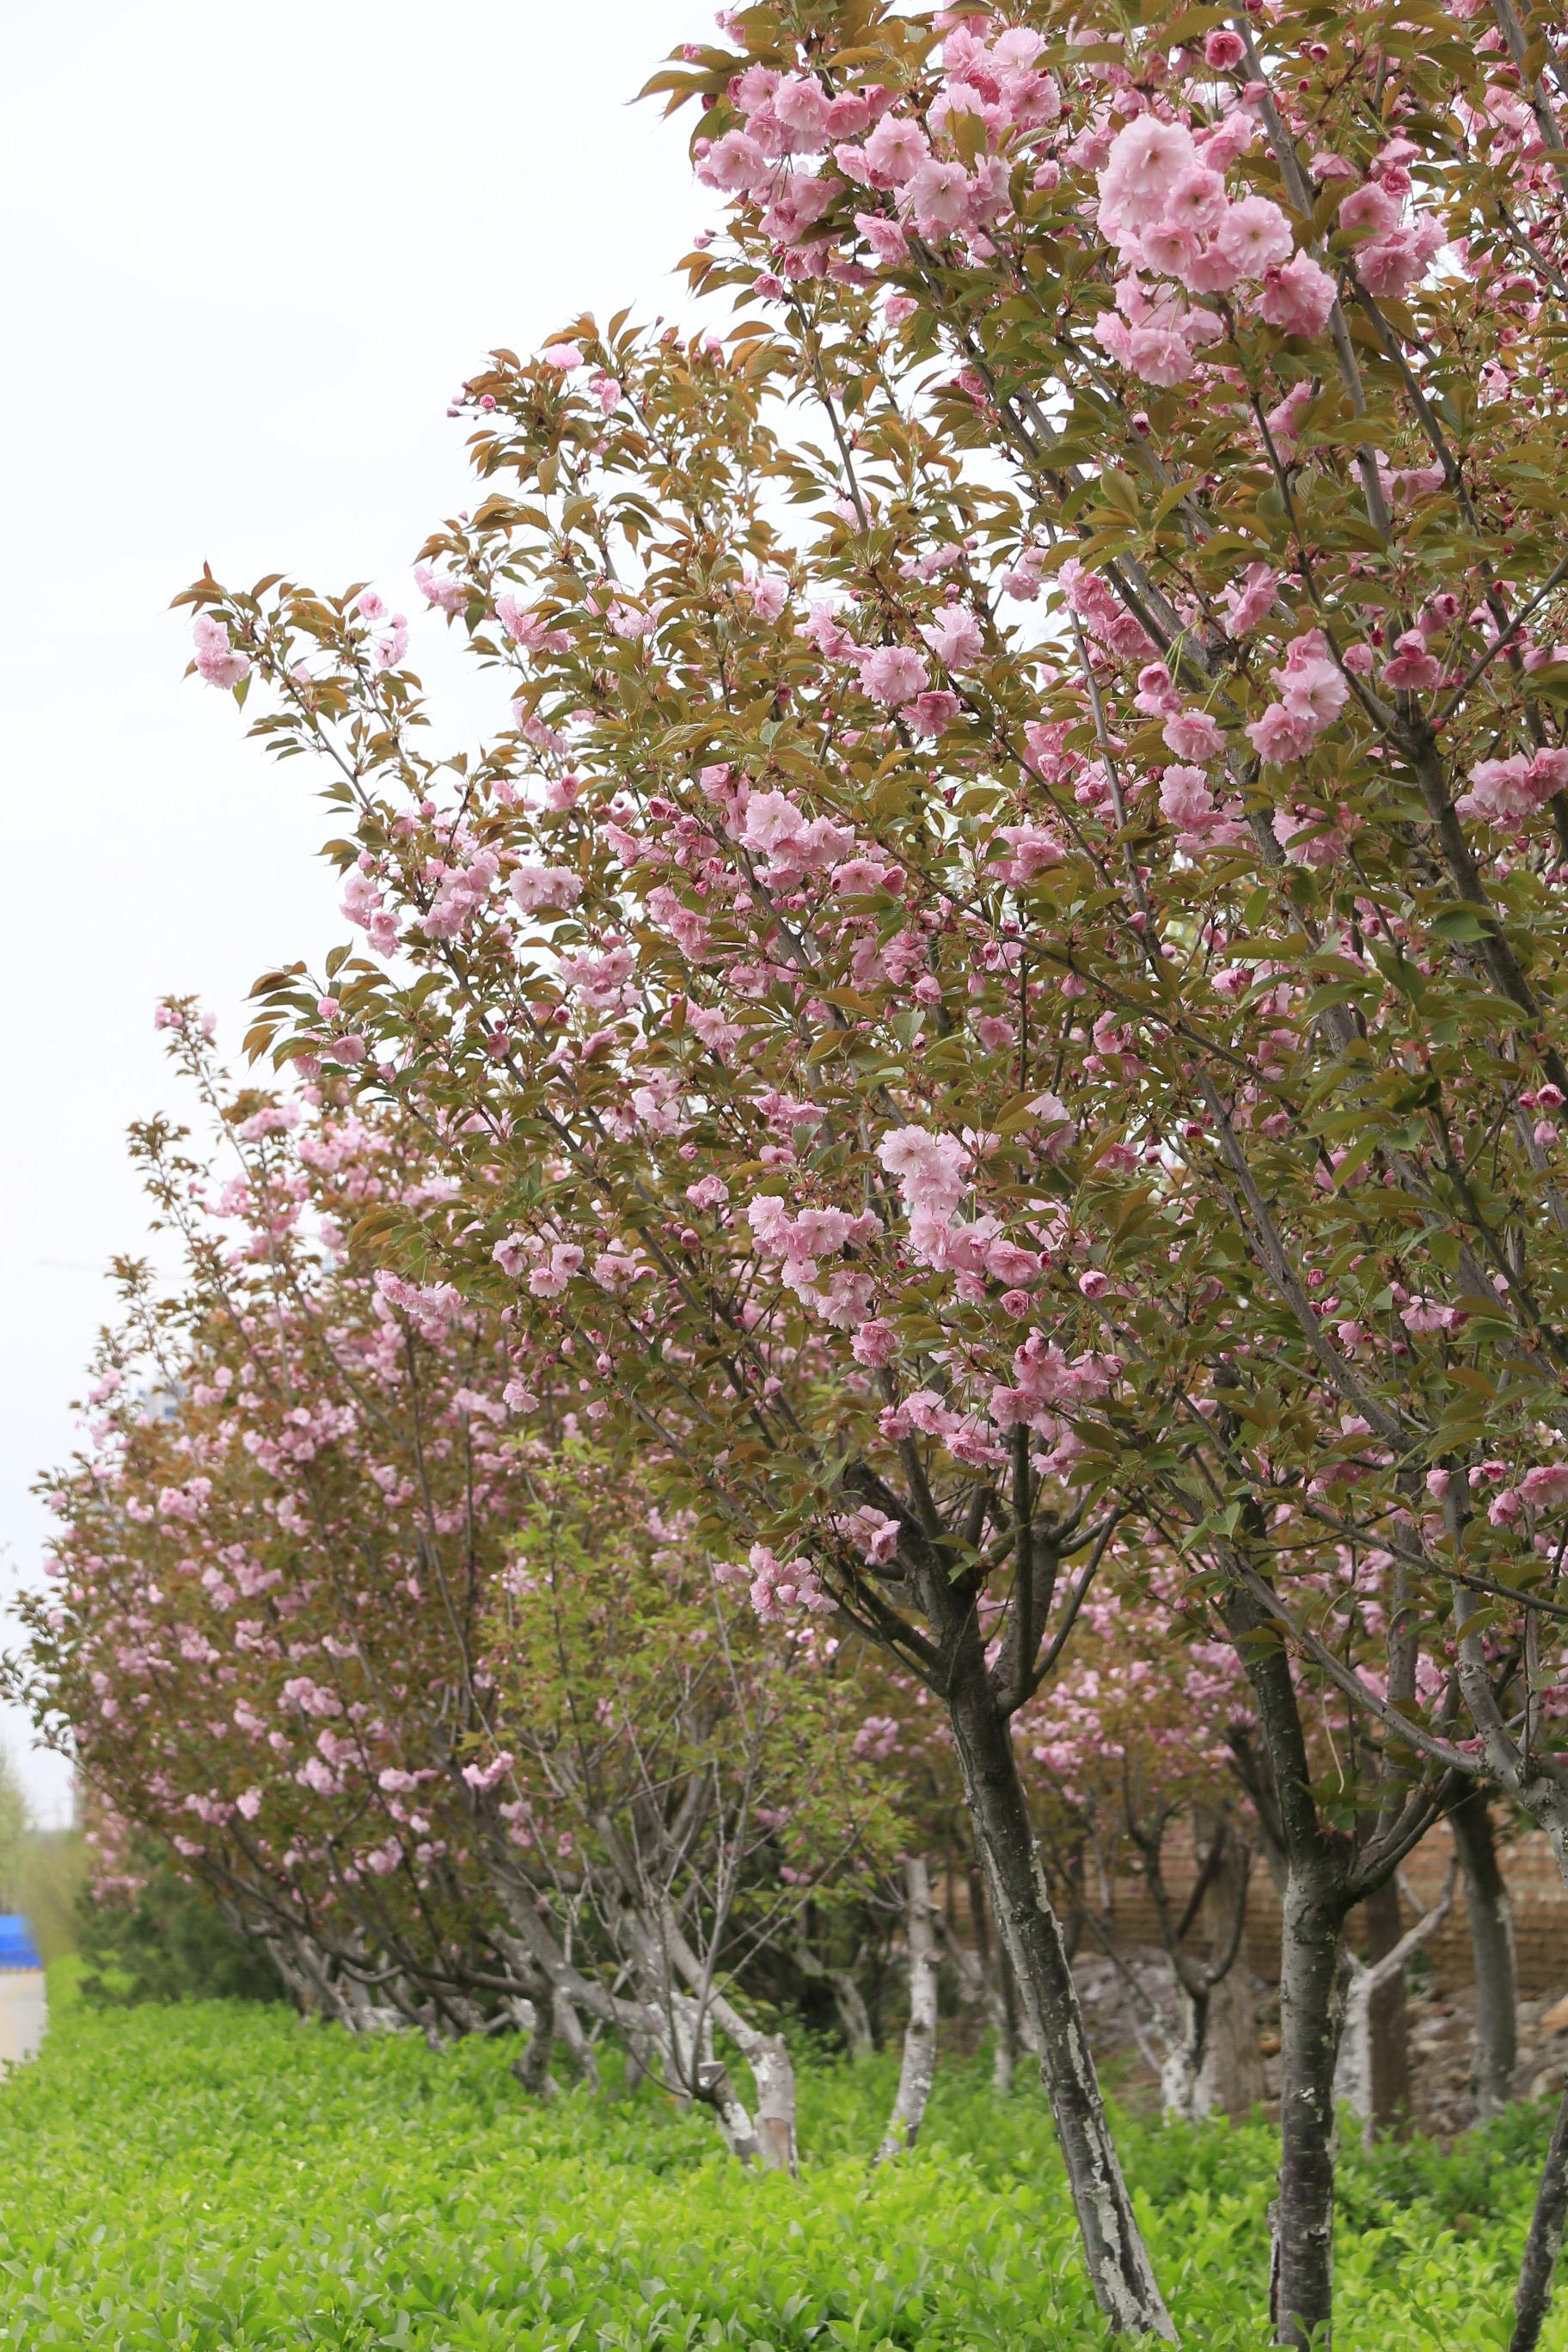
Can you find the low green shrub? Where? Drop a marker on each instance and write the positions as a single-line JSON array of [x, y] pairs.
[[223, 2178]]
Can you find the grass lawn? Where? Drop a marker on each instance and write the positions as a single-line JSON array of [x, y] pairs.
[[222, 2177]]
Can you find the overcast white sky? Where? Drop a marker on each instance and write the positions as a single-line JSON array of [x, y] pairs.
[[249, 253]]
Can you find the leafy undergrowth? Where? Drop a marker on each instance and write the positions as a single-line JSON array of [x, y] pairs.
[[221, 2178]]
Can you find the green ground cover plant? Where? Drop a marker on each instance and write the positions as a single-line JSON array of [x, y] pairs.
[[221, 2177]]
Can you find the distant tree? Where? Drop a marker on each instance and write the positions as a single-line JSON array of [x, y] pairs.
[[165, 1939]]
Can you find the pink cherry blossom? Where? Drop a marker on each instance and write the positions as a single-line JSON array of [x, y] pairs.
[[1411, 670], [1193, 735], [217, 658], [1147, 158], [954, 636], [1297, 296], [1255, 235], [535, 885], [893, 674]]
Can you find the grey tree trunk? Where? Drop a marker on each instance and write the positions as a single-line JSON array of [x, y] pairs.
[[854, 2017], [1492, 1951], [1356, 2081], [568, 2031], [1301, 2289], [1544, 2243], [918, 2070], [1231, 2082], [1121, 2274], [532, 2068], [1003, 2000], [1388, 2018]]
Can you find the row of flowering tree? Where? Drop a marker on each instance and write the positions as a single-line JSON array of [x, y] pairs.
[[997, 986], [448, 1717]]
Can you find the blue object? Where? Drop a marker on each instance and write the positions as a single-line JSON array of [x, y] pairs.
[[18, 1950]]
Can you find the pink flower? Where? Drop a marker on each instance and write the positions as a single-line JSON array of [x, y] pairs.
[[932, 713], [387, 651], [893, 674], [1298, 296], [1030, 850], [1160, 356], [857, 878], [954, 636], [1427, 1315], [1369, 209], [875, 1344], [1391, 265], [932, 1170], [1186, 800], [1254, 236], [735, 164], [767, 595], [216, 659], [534, 885], [939, 196], [1247, 600], [1197, 201], [1413, 668], [1193, 735], [1546, 1487], [447, 594], [895, 151], [1222, 50], [1314, 692], [802, 106], [1170, 248], [1146, 159], [1281, 735], [563, 356]]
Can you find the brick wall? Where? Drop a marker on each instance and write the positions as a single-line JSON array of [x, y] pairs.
[[1534, 1882]]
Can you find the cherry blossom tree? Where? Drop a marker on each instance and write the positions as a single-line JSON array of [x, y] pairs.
[[1001, 972], [451, 1723]]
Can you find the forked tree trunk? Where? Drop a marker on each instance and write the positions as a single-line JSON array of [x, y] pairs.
[[1121, 2274], [918, 2070], [1492, 1951], [1181, 2069], [1356, 2082]]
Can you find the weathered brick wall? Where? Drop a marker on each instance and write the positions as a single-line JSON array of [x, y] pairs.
[[1534, 1882]]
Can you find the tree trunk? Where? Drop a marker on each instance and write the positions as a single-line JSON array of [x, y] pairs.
[[1491, 1945], [1231, 2081], [1118, 2267], [532, 2068], [1181, 2072], [854, 2017], [1544, 2243], [697, 2062], [1388, 2019], [918, 2070], [568, 2030], [1301, 2295]]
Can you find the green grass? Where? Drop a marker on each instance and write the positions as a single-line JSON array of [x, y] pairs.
[[220, 2177]]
